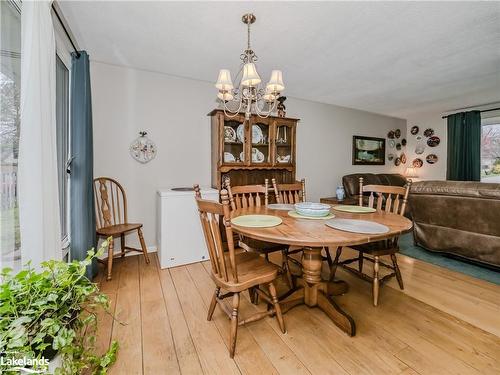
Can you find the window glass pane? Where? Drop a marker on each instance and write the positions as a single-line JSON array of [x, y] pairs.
[[490, 153], [10, 82], [62, 123]]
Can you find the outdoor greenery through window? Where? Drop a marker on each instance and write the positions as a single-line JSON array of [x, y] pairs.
[[10, 82], [490, 152]]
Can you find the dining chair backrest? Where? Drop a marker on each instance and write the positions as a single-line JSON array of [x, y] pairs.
[[391, 199], [247, 195], [290, 193], [110, 202], [211, 213]]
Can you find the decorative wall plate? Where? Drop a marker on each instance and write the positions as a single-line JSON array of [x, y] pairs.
[[414, 130], [429, 132], [397, 133], [398, 146], [403, 142], [229, 134], [431, 159], [403, 158], [391, 134], [417, 163], [397, 162], [433, 141], [390, 157], [419, 148], [392, 143], [143, 149], [418, 137]]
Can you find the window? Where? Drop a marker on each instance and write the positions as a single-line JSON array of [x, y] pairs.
[[490, 150], [62, 125], [10, 83]]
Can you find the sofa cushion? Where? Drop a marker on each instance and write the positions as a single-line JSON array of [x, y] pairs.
[[458, 188]]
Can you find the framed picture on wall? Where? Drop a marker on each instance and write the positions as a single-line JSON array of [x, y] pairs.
[[368, 150]]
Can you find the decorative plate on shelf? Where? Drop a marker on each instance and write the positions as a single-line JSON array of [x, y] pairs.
[[257, 156], [429, 132], [229, 158], [417, 163], [143, 149], [433, 141], [414, 130], [229, 134], [283, 159], [431, 158], [257, 135], [240, 133]]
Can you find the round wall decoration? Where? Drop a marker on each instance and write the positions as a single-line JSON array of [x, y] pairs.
[[142, 148], [431, 158], [403, 142], [419, 148], [414, 130], [417, 163], [390, 157], [433, 141], [392, 143], [429, 132], [403, 158], [391, 134], [397, 162], [397, 133], [398, 146]]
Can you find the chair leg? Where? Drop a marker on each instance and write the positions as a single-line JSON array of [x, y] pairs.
[[376, 283], [333, 269], [254, 297], [360, 261], [277, 307], [110, 258], [398, 272], [211, 309], [234, 324], [122, 239], [285, 265], [143, 245]]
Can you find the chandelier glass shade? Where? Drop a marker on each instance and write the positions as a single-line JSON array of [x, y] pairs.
[[250, 96]]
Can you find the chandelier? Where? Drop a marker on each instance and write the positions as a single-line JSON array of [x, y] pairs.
[[249, 96]]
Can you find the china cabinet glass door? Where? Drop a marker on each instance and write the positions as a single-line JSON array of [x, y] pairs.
[[234, 141], [260, 136], [284, 143]]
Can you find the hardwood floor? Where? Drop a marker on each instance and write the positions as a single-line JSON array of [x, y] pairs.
[[442, 323]]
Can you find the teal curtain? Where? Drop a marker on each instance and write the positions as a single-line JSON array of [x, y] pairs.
[[464, 146], [82, 217]]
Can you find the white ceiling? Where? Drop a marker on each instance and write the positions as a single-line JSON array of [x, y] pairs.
[[385, 57]]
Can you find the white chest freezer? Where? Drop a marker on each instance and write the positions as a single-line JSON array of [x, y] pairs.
[[179, 235]]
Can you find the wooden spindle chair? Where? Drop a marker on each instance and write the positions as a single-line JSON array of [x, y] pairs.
[[233, 271], [111, 218], [251, 196], [289, 194], [391, 199]]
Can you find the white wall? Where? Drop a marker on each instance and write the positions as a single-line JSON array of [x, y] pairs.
[[429, 120], [173, 112]]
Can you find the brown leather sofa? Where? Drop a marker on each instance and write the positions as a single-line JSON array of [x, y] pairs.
[[459, 218], [351, 182]]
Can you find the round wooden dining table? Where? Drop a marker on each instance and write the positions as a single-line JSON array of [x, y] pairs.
[[314, 235]]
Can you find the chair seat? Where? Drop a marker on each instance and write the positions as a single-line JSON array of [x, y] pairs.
[[376, 248], [252, 271], [251, 244], [118, 229]]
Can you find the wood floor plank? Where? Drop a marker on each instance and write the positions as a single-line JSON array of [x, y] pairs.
[[266, 344], [211, 349], [157, 341], [128, 311], [187, 356]]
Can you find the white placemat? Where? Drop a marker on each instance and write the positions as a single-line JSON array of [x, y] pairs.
[[357, 226]]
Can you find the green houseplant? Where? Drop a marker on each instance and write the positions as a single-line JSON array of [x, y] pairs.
[[52, 312]]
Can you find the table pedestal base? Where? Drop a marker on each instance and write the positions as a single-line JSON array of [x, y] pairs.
[[312, 291]]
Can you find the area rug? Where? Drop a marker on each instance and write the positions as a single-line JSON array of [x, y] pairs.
[[409, 249]]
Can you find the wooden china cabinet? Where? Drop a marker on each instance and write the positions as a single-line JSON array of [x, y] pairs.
[[249, 151]]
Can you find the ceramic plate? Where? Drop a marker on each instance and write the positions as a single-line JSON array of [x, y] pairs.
[[429, 132], [354, 209], [281, 206], [397, 133], [257, 221], [240, 133], [229, 134], [357, 226], [417, 163], [392, 143], [256, 134], [431, 158], [257, 156], [433, 141], [296, 215], [229, 158], [414, 130]]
